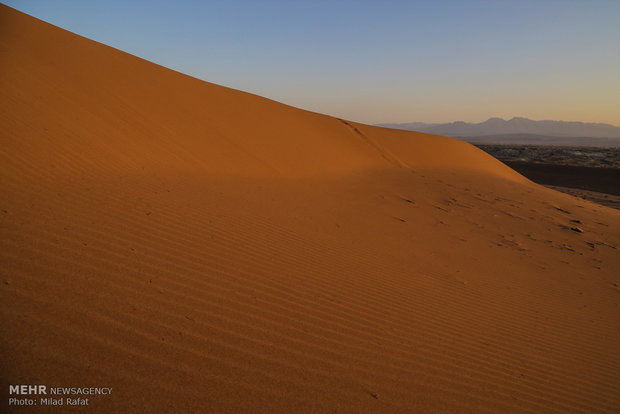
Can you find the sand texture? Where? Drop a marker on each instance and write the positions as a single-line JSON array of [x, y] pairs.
[[201, 249]]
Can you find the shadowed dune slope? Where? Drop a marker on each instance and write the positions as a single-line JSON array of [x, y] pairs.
[[201, 249]]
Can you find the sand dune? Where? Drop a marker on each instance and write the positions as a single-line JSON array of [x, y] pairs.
[[201, 249]]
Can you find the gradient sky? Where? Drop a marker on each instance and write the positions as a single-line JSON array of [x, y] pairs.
[[378, 61]]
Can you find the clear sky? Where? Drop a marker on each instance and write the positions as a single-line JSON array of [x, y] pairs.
[[378, 61]]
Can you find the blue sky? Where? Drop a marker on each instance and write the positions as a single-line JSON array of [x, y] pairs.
[[378, 61]]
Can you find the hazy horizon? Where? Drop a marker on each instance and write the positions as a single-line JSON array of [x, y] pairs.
[[391, 63], [495, 117]]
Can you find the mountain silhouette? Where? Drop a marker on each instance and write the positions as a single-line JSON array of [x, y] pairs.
[[516, 125]]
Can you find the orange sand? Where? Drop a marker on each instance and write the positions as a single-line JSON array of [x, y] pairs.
[[201, 249]]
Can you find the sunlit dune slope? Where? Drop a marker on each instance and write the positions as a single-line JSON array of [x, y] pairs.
[[201, 249], [113, 111]]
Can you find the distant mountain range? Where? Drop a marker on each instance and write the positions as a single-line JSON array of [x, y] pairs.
[[522, 131]]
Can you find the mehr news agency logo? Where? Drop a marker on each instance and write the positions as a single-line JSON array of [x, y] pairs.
[[54, 396]]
